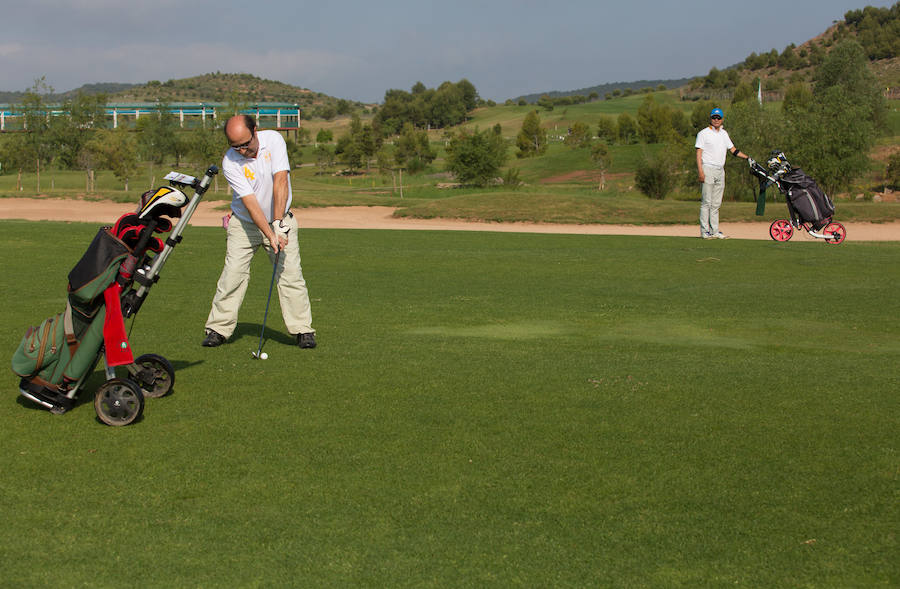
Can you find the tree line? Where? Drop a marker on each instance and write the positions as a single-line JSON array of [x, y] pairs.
[[79, 140], [426, 108], [406, 117]]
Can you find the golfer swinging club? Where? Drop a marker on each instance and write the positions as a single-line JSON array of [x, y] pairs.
[[257, 170]]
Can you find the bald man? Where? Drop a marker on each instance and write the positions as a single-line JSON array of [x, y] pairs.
[[258, 172]]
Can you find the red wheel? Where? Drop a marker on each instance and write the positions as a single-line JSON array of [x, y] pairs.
[[781, 230], [835, 233]]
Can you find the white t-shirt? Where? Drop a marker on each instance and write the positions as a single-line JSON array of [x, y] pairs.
[[715, 146], [248, 176]]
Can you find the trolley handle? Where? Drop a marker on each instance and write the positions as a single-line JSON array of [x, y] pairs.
[[202, 185]]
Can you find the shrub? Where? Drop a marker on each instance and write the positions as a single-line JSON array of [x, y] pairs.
[[656, 175], [511, 179], [475, 157], [893, 170]]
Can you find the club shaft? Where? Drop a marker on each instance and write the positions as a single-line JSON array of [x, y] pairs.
[[262, 330]]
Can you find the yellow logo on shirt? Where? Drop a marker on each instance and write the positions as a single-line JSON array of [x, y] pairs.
[[248, 173]]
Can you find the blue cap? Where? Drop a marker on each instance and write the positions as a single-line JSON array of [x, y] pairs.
[[717, 111]]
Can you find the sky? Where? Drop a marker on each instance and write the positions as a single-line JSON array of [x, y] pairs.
[[357, 50]]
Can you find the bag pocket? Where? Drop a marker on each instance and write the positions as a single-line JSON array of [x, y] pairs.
[[42, 348]]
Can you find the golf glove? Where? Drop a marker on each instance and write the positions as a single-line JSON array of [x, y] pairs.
[[751, 161], [281, 228]]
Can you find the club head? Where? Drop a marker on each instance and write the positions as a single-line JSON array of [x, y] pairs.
[[255, 355]]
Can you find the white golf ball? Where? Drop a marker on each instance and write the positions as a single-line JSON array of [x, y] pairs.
[[264, 356]]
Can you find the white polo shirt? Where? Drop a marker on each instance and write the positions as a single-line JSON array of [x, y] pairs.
[[248, 176], [715, 146]]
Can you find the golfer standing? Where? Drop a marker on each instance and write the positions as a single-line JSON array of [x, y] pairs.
[[712, 145], [257, 170]]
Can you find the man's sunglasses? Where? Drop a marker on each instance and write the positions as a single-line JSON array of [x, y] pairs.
[[244, 145], [715, 117]]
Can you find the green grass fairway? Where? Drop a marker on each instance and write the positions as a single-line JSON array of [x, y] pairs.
[[483, 410]]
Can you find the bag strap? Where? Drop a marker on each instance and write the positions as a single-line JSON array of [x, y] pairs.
[[69, 328]]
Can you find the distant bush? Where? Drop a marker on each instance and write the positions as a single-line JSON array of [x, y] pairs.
[[893, 170], [511, 179], [475, 157], [656, 175]]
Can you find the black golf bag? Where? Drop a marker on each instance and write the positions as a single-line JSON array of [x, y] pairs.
[[807, 203], [108, 284]]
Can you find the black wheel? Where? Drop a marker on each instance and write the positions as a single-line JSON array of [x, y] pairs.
[[155, 376], [118, 401]]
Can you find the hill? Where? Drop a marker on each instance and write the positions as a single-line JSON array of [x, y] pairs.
[[7, 97], [212, 87], [604, 89], [877, 30], [218, 87]]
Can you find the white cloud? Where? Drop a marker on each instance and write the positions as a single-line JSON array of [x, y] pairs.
[[11, 50]]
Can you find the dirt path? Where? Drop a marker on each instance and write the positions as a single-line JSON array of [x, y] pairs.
[[210, 214]]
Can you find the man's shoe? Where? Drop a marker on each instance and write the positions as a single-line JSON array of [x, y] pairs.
[[213, 339], [720, 235], [307, 341], [706, 236]]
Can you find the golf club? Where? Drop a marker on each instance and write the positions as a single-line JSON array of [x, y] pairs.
[[262, 331]]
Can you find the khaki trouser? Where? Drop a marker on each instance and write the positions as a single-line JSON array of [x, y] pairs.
[[711, 200], [242, 241]]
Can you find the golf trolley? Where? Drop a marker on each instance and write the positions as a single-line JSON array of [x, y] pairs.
[[809, 207], [109, 284]]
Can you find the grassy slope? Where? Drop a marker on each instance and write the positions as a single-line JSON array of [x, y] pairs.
[[511, 117], [483, 410]]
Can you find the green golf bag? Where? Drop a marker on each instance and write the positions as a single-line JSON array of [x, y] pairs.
[[57, 353], [109, 284]]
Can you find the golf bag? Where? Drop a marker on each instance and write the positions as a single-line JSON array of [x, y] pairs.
[[108, 284], [63, 347], [809, 207], [807, 203]]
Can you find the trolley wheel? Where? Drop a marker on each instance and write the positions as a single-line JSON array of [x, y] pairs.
[[118, 401], [156, 377], [781, 230], [835, 233]]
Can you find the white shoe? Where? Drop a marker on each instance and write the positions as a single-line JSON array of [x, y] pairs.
[[720, 235]]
